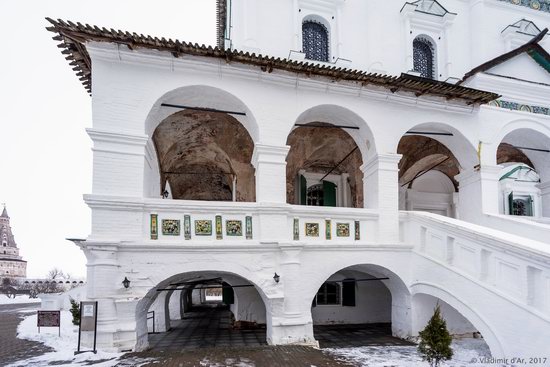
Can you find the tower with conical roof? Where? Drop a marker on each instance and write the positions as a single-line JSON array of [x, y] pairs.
[[11, 264]]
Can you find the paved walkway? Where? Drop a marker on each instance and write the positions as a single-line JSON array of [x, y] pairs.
[[207, 326], [359, 335], [266, 356], [11, 348], [205, 338]]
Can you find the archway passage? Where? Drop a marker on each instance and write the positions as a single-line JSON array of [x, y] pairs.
[[323, 167], [426, 175], [466, 335], [355, 307], [524, 156], [204, 309], [205, 156]]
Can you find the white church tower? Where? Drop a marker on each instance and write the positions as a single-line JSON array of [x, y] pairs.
[[330, 161]]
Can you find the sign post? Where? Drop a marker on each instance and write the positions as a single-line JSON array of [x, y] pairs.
[[88, 322], [49, 319]]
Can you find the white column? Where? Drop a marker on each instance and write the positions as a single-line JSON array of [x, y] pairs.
[[478, 192], [102, 286], [381, 191], [545, 198], [290, 277], [119, 163], [270, 164]]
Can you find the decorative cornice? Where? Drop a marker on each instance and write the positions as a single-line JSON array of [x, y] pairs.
[[514, 106], [540, 5]]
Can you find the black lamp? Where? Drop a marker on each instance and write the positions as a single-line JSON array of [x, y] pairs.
[[126, 283], [276, 278]]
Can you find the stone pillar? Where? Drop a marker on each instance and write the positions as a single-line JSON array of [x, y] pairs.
[[119, 163], [545, 198], [102, 286], [290, 316], [381, 191], [270, 164], [290, 278], [478, 192]]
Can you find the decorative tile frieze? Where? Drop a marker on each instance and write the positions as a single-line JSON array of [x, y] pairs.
[[219, 234], [248, 224], [514, 106], [357, 230], [203, 227], [171, 227], [328, 229], [541, 5], [312, 229], [234, 227], [187, 227], [154, 227], [342, 229]]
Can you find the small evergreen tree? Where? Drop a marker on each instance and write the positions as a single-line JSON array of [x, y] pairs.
[[435, 340], [75, 311]]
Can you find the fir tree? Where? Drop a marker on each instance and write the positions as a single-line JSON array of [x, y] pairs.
[[75, 311], [435, 340]]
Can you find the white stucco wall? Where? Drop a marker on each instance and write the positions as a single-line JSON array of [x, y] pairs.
[[424, 306], [484, 273], [372, 305]]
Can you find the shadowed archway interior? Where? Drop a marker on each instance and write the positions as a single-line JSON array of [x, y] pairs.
[[508, 153], [320, 150], [205, 156], [421, 154]]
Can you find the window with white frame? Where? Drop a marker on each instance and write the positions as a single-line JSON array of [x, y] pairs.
[[315, 41]]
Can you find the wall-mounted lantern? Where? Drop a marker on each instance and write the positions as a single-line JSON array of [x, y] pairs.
[[126, 283], [276, 278]]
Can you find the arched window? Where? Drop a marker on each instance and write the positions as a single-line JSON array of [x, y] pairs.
[[424, 57], [315, 41]]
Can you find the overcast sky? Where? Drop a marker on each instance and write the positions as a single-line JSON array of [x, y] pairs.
[[45, 154]]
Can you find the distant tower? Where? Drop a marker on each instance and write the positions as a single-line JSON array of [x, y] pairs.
[[11, 264]]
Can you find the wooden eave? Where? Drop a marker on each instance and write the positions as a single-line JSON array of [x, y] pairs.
[[532, 48], [221, 19], [73, 37]]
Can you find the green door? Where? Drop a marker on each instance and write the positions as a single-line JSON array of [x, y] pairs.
[[329, 194], [303, 190], [228, 297]]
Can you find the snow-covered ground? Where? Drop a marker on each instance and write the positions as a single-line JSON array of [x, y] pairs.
[[64, 345], [4, 300], [467, 352]]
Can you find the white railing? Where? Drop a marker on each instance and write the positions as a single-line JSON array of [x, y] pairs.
[[516, 267], [206, 222], [537, 229]]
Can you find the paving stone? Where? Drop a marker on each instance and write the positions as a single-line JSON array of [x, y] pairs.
[[13, 349]]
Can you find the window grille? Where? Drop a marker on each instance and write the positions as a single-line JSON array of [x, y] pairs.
[[315, 41], [329, 294], [315, 195], [424, 57]]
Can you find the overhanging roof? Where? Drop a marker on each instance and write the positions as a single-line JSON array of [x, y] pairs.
[[532, 48], [74, 36]]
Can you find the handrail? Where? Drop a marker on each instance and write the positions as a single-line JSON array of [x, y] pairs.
[[492, 237]]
